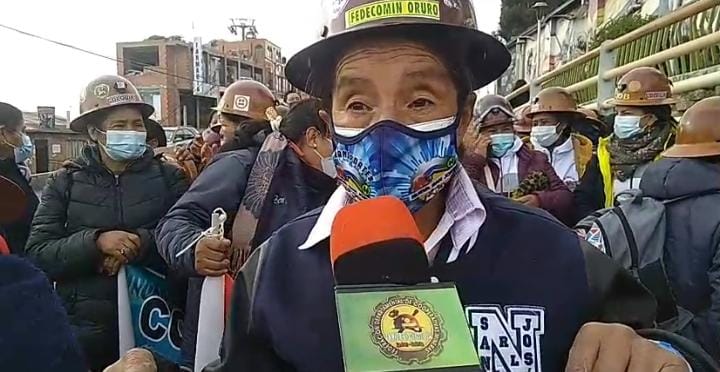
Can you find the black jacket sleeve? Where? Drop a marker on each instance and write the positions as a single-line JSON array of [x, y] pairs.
[[242, 350], [618, 296], [59, 253], [590, 193], [221, 184]]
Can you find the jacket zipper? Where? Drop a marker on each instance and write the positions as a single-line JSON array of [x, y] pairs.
[[118, 200]]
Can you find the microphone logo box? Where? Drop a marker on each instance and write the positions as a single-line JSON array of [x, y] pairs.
[[400, 328], [407, 329]]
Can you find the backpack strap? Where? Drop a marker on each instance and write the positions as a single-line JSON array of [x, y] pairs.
[[653, 276]]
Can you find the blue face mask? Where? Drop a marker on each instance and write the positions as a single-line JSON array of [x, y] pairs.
[[627, 126], [24, 151], [124, 145], [501, 143], [412, 163]]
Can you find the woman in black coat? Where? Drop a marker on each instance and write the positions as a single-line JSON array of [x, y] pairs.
[[99, 213]]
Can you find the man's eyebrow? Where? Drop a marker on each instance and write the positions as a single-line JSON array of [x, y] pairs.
[[426, 74], [350, 81]]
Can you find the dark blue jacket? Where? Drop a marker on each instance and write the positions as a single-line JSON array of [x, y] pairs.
[[296, 189], [283, 316], [692, 245]]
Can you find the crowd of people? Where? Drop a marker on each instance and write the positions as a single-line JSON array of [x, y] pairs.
[[496, 192]]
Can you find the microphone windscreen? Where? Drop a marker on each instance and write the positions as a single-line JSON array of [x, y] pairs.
[[376, 241]]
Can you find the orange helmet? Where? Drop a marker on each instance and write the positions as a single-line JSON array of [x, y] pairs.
[[699, 131], [643, 86], [311, 70], [554, 100], [247, 98], [106, 92]]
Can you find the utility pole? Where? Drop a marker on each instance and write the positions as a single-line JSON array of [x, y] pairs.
[[246, 26]]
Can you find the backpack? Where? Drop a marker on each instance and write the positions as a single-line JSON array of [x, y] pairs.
[[633, 234]]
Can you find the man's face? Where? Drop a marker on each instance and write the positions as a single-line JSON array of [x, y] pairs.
[[227, 128], [397, 81], [120, 118]]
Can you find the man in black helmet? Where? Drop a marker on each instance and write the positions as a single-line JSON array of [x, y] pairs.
[[401, 74]]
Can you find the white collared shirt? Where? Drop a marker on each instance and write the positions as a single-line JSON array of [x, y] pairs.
[[562, 160], [463, 216]]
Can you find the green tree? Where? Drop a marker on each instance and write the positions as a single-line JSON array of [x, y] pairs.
[[516, 16], [619, 26]]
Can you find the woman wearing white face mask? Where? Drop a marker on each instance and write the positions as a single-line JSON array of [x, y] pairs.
[[555, 117], [15, 149], [644, 128], [494, 156], [99, 213]]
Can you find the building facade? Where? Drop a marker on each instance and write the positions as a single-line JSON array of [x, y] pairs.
[[566, 33], [183, 80]]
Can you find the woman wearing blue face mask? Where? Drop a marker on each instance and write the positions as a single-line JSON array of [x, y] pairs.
[[99, 212], [497, 158], [15, 149], [643, 129]]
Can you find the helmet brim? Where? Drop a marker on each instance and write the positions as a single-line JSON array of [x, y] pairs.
[[312, 69], [695, 150], [80, 123], [612, 102], [532, 114]]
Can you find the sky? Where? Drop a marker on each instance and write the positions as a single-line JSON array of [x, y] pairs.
[[38, 73]]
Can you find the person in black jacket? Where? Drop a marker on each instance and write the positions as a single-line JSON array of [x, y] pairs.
[[99, 212], [263, 189], [15, 148], [401, 94], [690, 175]]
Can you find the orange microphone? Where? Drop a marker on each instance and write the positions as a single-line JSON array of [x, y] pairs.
[[376, 241]]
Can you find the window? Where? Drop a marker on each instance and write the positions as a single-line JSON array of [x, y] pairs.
[[137, 58]]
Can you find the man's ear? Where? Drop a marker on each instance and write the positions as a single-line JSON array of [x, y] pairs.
[[312, 135], [93, 133]]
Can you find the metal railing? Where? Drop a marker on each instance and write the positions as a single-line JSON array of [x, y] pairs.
[[684, 44]]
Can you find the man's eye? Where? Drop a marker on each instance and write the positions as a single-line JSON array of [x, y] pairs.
[[421, 103], [358, 107]]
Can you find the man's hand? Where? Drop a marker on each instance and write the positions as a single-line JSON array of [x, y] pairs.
[[212, 256], [617, 348], [135, 360], [111, 266], [529, 200], [122, 245], [475, 143]]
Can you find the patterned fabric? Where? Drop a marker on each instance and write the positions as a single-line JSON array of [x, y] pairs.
[[628, 154], [258, 184]]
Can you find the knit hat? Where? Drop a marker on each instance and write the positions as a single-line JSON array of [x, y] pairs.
[[35, 334]]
